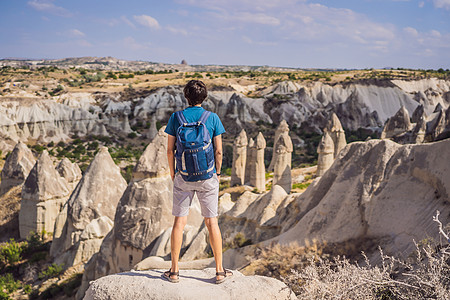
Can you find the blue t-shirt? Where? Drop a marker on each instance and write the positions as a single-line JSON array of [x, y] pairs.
[[192, 114]]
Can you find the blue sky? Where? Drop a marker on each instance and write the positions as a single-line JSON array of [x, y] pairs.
[[291, 33]]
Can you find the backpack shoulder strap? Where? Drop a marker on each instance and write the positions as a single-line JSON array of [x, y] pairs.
[[180, 117], [205, 115]]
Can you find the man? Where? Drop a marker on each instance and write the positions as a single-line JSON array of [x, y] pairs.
[[207, 190]]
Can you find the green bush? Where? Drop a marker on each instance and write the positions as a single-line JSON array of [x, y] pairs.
[[11, 252], [8, 285], [52, 271], [301, 186]]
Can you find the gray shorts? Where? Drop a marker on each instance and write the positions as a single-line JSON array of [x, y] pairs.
[[207, 194]]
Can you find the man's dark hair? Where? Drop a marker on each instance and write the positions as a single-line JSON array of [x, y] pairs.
[[195, 92]]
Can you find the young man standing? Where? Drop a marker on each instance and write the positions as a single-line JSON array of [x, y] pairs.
[[207, 190]]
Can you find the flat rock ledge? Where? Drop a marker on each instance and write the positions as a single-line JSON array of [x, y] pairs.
[[193, 284]]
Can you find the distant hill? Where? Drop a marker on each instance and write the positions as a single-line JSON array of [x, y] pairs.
[[112, 63]]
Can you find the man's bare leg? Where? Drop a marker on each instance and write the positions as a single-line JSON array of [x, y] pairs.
[[176, 239], [215, 239]]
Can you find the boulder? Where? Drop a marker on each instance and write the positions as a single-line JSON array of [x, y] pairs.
[[17, 167], [43, 196], [239, 159], [89, 212], [194, 284]]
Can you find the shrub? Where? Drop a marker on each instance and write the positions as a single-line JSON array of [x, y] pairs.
[[52, 271], [11, 252]]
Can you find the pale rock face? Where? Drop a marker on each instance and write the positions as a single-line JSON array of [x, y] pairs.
[[337, 134], [126, 128], [258, 172], [283, 128], [17, 167], [152, 131], [326, 154], [162, 245], [438, 124], [197, 246], [377, 190], [239, 159], [43, 196], [250, 215], [225, 203], [398, 124], [418, 134], [250, 161], [196, 284], [92, 205], [69, 171], [153, 162], [282, 165]]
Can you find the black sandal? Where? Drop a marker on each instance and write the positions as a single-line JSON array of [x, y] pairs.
[[168, 274], [224, 274]]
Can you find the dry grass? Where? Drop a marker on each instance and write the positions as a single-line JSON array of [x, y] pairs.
[[313, 274]]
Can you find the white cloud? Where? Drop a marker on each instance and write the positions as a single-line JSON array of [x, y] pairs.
[[174, 30], [258, 18], [442, 4], [49, 7], [421, 4], [411, 31], [76, 33], [435, 33], [147, 21], [128, 22]]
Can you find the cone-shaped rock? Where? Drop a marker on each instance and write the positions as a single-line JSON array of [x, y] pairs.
[[437, 125], [91, 206], [43, 196], [17, 167], [326, 154], [282, 165], [283, 128], [418, 113], [258, 174], [398, 124], [239, 159], [249, 161], [418, 134], [337, 133], [152, 131], [153, 162]]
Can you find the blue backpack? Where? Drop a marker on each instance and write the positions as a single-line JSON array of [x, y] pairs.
[[195, 152]]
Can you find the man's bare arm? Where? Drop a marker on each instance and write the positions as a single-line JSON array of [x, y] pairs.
[[217, 141], [170, 154]]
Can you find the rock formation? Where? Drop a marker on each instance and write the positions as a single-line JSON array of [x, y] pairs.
[[337, 134], [43, 196], [143, 214], [258, 170], [250, 215], [396, 125], [283, 128], [437, 124], [239, 159], [17, 167], [419, 131], [88, 216], [377, 191], [194, 284], [250, 161], [326, 154], [282, 164], [69, 171]]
